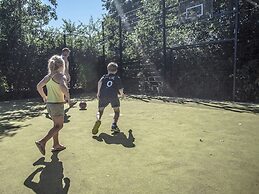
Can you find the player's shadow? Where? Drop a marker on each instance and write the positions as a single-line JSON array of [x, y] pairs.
[[66, 116], [118, 138], [51, 177]]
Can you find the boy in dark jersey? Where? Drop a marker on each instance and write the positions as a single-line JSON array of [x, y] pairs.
[[108, 88]]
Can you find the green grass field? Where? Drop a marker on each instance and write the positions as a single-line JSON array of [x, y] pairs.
[[180, 147]]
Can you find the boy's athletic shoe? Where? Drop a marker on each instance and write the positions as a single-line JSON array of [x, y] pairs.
[[115, 128], [96, 127]]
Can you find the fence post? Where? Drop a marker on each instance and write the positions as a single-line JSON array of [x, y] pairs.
[[164, 37], [235, 48], [120, 46], [103, 36], [65, 40]]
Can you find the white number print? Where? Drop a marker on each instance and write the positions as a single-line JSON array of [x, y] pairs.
[[109, 84]]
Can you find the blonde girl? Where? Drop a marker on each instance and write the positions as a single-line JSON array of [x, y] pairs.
[[57, 95]]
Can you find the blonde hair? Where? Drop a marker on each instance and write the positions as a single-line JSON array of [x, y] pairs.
[[54, 63], [112, 67]]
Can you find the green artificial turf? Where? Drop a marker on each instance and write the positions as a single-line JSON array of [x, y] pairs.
[[163, 147]]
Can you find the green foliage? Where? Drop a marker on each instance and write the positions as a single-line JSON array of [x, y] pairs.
[[246, 81], [206, 71], [84, 40], [21, 29], [87, 72], [26, 44], [3, 85]]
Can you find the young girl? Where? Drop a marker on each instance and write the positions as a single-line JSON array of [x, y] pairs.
[[58, 94]]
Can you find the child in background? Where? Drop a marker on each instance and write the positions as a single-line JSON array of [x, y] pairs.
[[58, 94], [65, 54], [108, 88]]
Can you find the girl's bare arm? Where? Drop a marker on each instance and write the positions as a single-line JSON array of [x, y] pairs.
[[40, 86], [63, 86]]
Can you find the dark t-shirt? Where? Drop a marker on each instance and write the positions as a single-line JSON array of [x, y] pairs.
[[111, 83]]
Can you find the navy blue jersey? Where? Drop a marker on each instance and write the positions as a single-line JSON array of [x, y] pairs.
[[111, 83]]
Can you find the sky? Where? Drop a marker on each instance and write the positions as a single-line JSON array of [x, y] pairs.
[[77, 10]]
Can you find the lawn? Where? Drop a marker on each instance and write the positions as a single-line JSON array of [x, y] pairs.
[[165, 146]]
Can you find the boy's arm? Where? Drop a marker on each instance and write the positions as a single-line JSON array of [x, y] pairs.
[[40, 86], [121, 92], [99, 88], [120, 87]]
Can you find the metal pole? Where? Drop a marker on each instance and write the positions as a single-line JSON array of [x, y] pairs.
[[120, 45], [164, 37], [72, 65], [235, 47], [20, 18], [103, 42], [65, 40]]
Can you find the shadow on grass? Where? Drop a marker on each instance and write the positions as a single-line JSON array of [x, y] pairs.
[[51, 177], [8, 129], [17, 111], [238, 107], [117, 138], [229, 106]]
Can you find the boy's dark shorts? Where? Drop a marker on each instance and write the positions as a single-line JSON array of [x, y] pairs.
[[103, 102]]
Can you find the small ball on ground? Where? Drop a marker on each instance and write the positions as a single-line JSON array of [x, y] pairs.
[[82, 105]]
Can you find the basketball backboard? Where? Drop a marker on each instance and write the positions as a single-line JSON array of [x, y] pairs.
[[195, 9]]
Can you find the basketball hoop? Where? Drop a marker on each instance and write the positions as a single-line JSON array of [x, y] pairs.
[[191, 10]]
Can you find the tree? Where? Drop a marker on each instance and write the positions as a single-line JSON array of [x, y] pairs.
[[20, 21]]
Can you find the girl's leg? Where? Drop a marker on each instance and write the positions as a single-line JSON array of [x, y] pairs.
[[56, 144], [58, 124], [55, 139]]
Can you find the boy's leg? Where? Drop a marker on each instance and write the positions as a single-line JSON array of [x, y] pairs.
[[99, 114], [116, 116], [116, 107], [98, 120], [102, 103]]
